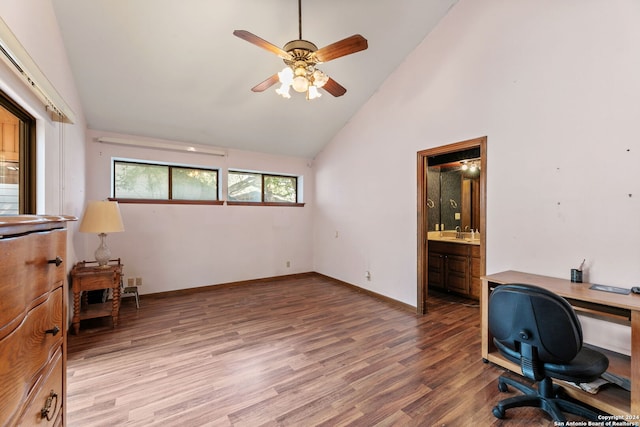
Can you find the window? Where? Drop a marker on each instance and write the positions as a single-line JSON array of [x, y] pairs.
[[17, 159], [135, 181], [253, 187]]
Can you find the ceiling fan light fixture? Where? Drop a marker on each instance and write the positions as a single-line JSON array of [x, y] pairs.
[[313, 93], [283, 91], [319, 78], [300, 84], [286, 76]]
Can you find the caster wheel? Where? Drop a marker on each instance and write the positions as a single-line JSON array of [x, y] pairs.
[[498, 412], [502, 386]]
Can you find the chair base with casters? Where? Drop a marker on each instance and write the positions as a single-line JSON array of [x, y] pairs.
[[546, 397]]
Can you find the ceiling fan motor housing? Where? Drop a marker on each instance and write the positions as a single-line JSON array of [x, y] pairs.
[[300, 50]]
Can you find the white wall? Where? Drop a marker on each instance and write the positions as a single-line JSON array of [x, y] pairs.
[[60, 169], [184, 246], [554, 86]]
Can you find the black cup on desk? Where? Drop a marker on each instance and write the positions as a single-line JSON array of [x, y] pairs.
[[576, 275]]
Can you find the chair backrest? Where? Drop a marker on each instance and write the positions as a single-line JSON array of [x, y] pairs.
[[534, 322]]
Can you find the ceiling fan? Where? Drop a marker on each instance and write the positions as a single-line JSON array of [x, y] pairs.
[[301, 57]]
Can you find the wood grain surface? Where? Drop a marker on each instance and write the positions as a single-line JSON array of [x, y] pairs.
[[301, 351]]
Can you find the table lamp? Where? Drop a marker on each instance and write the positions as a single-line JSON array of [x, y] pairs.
[[102, 217]]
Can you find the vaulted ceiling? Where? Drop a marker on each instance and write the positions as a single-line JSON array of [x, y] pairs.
[[173, 70]]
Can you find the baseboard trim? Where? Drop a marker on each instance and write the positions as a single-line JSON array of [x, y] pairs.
[[310, 274], [187, 291], [383, 298]]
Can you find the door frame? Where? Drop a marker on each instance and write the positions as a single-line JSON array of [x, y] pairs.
[[422, 241]]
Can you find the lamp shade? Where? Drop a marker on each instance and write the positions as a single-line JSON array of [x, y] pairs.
[[102, 217]]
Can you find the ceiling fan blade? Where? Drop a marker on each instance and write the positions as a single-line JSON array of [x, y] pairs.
[[252, 38], [347, 46], [260, 87], [334, 88]]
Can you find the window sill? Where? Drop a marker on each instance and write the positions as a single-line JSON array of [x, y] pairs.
[[202, 202], [295, 205], [168, 202]]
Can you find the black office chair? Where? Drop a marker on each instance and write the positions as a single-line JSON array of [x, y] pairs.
[[539, 330]]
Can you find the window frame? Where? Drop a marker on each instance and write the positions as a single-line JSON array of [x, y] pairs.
[[170, 200], [297, 203], [27, 189]]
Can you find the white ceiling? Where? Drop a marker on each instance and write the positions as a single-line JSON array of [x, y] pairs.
[[172, 69]]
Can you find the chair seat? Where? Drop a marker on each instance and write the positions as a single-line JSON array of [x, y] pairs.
[[587, 366]]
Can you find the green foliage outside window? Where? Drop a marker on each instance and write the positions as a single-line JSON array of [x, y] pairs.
[[280, 189], [163, 182], [138, 181], [257, 187], [194, 184]]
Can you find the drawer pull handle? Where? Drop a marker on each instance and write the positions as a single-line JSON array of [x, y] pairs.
[[44, 412], [53, 331], [56, 261]]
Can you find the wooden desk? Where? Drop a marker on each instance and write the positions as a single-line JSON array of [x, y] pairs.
[[87, 276], [617, 308]]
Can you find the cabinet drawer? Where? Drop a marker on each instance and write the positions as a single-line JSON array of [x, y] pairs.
[[46, 247], [26, 274], [93, 280], [44, 408], [25, 352], [449, 248]]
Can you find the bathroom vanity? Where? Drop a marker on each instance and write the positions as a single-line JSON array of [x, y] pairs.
[[454, 263]]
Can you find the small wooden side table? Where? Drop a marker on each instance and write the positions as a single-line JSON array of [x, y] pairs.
[[88, 276]]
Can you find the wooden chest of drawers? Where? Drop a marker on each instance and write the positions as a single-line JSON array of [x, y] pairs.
[[33, 320]]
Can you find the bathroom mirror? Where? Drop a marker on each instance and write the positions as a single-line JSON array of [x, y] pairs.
[[453, 193]]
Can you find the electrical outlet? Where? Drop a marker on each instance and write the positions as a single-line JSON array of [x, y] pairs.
[[368, 275], [288, 264]]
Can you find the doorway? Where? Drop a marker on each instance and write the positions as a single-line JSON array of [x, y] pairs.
[[456, 152]]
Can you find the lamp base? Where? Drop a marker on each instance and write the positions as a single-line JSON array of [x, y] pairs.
[[103, 253]]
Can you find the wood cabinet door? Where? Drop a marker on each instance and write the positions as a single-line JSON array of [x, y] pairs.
[[436, 270], [457, 276]]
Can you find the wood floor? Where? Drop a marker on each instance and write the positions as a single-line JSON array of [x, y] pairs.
[[296, 352]]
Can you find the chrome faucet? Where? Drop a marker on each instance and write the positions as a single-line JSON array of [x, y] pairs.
[[458, 232]]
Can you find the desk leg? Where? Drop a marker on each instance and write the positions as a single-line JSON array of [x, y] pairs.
[[115, 306], [635, 363], [76, 312], [484, 319]]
